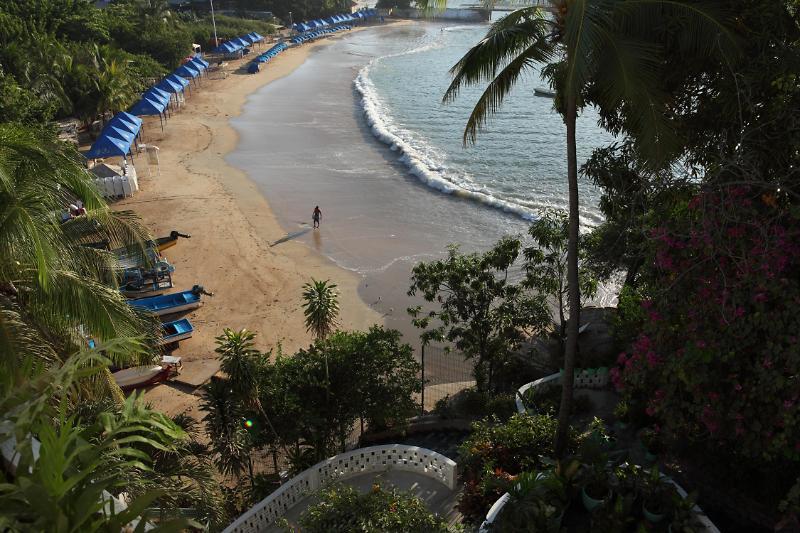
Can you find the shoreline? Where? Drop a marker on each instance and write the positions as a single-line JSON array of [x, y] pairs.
[[256, 282]]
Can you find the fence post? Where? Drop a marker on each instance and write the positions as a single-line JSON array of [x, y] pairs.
[[423, 379]]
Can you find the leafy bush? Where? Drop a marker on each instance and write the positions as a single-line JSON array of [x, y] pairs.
[[343, 509], [494, 454], [547, 400], [719, 353], [475, 404]]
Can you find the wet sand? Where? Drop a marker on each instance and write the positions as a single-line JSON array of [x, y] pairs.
[[256, 285]]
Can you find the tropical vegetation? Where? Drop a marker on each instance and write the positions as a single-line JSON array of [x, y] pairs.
[[343, 509], [69, 58]]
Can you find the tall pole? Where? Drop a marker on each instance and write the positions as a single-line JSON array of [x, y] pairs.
[[214, 23], [290, 21]]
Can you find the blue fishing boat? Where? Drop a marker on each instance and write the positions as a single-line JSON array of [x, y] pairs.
[[168, 304], [177, 330]]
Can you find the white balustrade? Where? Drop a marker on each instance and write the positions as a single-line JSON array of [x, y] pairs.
[[361, 461]]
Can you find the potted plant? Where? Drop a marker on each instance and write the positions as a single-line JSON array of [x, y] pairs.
[[538, 500], [615, 514], [685, 517], [651, 441], [657, 496]]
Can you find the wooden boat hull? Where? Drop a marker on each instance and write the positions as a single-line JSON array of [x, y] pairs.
[[132, 378]]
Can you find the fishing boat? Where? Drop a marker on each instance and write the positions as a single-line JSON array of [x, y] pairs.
[[162, 243], [177, 330], [142, 376], [141, 283], [167, 304], [544, 93]]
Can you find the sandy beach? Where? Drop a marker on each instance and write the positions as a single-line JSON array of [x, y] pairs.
[[232, 251]]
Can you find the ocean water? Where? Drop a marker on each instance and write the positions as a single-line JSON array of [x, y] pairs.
[[359, 130], [518, 163]]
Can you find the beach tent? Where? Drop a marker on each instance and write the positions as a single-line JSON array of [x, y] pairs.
[[228, 47], [170, 86], [200, 61], [248, 39], [118, 133], [241, 42], [256, 37], [146, 106], [187, 70], [157, 94], [127, 122], [108, 146]]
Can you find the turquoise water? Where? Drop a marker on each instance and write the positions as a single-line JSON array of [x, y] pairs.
[[519, 162]]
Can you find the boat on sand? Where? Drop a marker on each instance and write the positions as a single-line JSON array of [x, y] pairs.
[[168, 304]]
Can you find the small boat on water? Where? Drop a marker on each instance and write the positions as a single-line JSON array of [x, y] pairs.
[[177, 330], [544, 93], [167, 304], [142, 376]]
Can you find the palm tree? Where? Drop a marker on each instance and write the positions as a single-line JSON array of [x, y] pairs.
[[601, 50], [321, 307], [55, 292], [244, 366]]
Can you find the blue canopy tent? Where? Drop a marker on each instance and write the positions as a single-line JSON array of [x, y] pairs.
[[187, 70], [127, 122], [241, 42], [228, 47], [159, 95], [200, 64], [108, 146], [181, 81], [200, 61], [149, 106], [257, 37], [248, 39], [124, 135]]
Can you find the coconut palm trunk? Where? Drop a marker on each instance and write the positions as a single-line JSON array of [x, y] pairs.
[[574, 296]]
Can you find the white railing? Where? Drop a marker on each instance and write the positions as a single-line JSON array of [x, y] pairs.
[[495, 509], [361, 461], [586, 378]]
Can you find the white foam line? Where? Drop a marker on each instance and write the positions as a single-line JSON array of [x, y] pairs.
[[417, 164]]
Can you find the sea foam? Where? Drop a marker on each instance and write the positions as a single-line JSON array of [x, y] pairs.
[[431, 173]]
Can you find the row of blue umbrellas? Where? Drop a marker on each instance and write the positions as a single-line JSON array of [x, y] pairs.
[[121, 131], [239, 43], [309, 35], [335, 19]]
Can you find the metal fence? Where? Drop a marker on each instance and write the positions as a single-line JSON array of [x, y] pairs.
[[444, 373]]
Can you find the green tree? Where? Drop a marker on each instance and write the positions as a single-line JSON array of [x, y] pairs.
[[546, 265], [598, 48], [56, 293], [480, 311], [321, 307]]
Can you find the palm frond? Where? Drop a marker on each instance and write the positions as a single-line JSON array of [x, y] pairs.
[[524, 30]]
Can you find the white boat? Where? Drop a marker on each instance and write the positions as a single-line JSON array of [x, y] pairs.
[[141, 376], [546, 93]]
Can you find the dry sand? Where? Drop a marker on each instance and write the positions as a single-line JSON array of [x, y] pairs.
[[255, 285]]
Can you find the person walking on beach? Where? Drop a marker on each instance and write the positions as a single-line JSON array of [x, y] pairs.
[[316, 216]]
